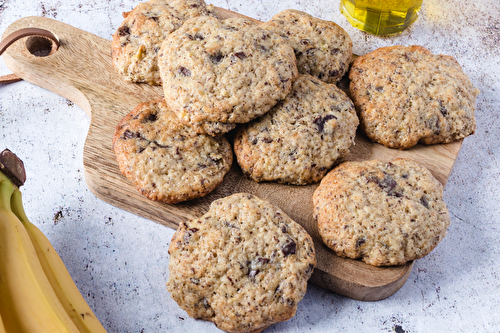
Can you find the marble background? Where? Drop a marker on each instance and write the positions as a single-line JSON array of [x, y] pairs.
[[119, 260]]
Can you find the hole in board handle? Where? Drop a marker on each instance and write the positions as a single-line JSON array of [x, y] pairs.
[[40, 46]]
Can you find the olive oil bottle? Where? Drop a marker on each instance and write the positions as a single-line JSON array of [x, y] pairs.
[[381, 17]]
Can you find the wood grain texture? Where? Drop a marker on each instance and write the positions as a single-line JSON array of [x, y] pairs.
[[81, 71]]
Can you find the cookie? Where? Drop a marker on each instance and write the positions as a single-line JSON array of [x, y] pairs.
[[136, 42], [382, 213], [300, 138], [224, 72], [405, 95], [166, 160], [244, 265], [322, 48]]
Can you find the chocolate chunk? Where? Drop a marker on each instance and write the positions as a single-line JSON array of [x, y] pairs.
[[184, 71], [152, 117], [261, 261], [289, 247], [123, 31], [267, 140], [256, 265], [155, 18], [240, 55], [253, 273], [359, 242], [424, 202], [159, 145], [442, 108], [216, 161], [196, 36], [131, 135], [388, 184], [334, 51], [334, 73], [216, 58], [320, 121]]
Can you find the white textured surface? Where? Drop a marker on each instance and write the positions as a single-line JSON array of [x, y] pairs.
[[119, 260]]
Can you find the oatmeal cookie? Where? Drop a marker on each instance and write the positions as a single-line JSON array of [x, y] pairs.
[[166, 160], [224, 72], [382, 213], [244, 265], [136, 42], [323, 49], [300, 138], [405, 95]]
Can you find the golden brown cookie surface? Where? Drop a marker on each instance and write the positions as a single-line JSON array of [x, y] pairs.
[[300, 138], [405, 95], [224, 72], [323, 49], [244, 265], [137, 41], [384, 213], [166, 160]]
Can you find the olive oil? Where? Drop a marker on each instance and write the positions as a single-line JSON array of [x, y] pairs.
[[381, 17]]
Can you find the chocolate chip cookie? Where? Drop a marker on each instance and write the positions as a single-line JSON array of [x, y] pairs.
[[323, 49], [137, 41], [300, 138], [166, 160], [405, 95], [382, 213], [244, 265], [217, 73]]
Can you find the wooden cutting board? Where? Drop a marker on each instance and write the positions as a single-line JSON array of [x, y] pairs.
[[81, 71]]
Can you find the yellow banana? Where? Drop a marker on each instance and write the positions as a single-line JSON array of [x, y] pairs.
[[27, 301], [2, 328], [65, 288]]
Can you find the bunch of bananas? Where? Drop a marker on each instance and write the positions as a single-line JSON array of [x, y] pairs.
[[37, 293]]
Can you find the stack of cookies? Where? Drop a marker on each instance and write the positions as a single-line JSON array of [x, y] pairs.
[[276, 82], [244, 264]]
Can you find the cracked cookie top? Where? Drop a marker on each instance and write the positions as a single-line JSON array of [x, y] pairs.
[[301, 137], [217, 73], [405, 95], [244, 265], [136, 42], [166, 160], [384, 213], [323, 49]]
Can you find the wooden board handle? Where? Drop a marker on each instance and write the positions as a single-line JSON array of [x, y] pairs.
[[28, 32]]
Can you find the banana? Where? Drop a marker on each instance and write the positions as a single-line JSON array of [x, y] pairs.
[[65, 288], [28, 302], [2, 328]]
